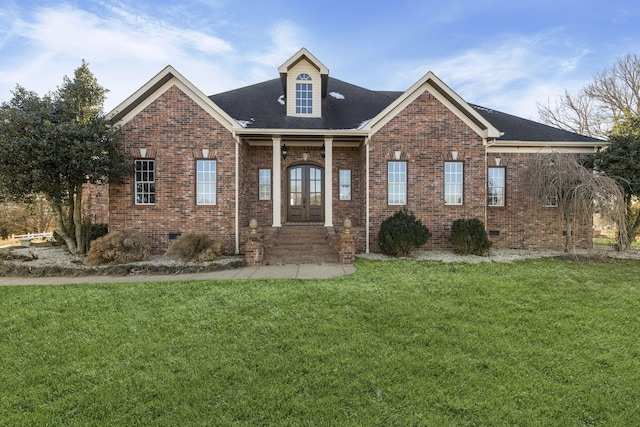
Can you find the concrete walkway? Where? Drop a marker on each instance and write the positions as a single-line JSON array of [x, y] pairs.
[[289, 271]]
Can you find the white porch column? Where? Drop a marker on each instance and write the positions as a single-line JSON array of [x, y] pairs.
[[277, 183], [328, 184]]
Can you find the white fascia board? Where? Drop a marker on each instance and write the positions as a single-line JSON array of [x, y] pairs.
[[432, 84], [545, 146], [296, 57], [171, 78], [302, 132]]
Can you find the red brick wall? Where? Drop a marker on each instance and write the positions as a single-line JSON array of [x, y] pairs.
[[426, 133], [174, 130], [524, 223]]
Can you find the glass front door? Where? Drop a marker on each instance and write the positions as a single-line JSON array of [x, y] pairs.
[[305, 201]]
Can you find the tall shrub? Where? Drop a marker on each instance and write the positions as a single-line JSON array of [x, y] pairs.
[[401, 233], [469, 237]]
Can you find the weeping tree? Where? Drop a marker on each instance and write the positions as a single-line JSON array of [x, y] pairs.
[[559, 179], [54, 145]]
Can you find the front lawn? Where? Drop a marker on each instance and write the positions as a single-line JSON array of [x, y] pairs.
[[400, 343]]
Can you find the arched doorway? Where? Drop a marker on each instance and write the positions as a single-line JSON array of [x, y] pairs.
[[305, 194]]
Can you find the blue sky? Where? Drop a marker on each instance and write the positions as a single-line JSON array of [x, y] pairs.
[[505, 55]]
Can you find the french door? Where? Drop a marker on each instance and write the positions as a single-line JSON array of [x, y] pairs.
[[305, 194]]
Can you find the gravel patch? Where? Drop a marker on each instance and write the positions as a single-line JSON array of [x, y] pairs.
[[510, 255], [44, 257]]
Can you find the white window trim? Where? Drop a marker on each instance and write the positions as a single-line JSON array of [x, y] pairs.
[[206, 202], [459, 184], [503, 187], [307, 81], [149, 184], [264, 195], [342, 195], [398, 196]]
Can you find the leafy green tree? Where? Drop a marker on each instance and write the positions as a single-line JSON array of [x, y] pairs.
[[621, 161], [54, 145]]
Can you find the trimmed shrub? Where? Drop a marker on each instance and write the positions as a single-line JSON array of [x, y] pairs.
[[118, 247], [469, 237], [195, 247], [401, 233]]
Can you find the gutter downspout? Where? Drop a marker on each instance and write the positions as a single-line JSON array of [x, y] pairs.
[[366, 143], [237, 194]]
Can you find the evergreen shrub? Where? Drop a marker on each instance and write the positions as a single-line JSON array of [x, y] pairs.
[[469, 237], [401, 233]]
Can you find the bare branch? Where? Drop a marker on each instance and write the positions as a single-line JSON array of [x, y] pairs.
[[618, 87], [576, 190], [576, 113]]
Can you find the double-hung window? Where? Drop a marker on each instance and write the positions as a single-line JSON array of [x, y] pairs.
[[496, 184], [264, 184], [345, 184], [206, 182], [304, 94], [397, 183], [453, 183], [145, 182]]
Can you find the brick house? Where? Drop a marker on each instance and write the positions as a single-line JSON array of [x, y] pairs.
[[307, 149]]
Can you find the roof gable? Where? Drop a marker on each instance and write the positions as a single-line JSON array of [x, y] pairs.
[[299, 56], [436, 87], [157, 86], [304, 55]]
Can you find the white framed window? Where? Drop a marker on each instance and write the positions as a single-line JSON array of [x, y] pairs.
[[345, 184], [496, 184], [304, 94], [453, 183], [264, 184], [397, 183], [206, 181], [145, 182], [551, 201]]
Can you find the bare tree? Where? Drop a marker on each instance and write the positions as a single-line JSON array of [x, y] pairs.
[[593, 110], [578, 113], [617, 89], [561, 179]]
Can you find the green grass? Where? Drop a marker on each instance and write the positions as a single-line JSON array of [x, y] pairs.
[[610, 242], [400, 343]]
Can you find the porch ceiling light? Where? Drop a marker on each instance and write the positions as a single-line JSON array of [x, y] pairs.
[[285, 151]]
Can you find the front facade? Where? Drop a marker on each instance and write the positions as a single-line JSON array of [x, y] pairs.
[[309, 149]]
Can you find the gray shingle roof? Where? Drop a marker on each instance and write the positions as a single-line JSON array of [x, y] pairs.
[[519, 129], [262, 106]]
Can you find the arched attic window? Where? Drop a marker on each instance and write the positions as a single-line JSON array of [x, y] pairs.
[[304, 94]]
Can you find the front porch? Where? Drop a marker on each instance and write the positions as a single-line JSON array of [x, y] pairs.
[[300, 189]]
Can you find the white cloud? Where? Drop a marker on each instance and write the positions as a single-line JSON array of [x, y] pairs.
[[510, 74], [67, 30], [124, 50], [286, 39]]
